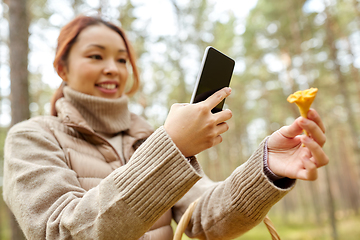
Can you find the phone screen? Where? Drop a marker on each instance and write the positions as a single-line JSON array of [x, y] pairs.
[[215, 74]]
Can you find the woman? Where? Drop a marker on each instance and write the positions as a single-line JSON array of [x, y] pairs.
[[94, 170]]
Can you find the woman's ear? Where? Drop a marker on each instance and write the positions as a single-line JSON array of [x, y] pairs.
[[62, 72]]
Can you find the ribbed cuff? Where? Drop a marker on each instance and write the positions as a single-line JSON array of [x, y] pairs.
[[156, 176], [252, 192]]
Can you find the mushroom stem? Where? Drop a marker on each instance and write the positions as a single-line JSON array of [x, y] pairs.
[[303, 99], [303, 112]]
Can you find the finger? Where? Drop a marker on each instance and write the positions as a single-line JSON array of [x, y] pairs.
[[223, 116], [217, 140], [217, 97], [314, 130], [314, 116], [222, 127], [292, 130], [310, 171], [318, 155]]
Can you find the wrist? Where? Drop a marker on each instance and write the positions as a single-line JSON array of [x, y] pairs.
[[267, 170]]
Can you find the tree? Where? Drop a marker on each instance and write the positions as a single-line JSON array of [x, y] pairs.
[[18, 31], [19, 35]]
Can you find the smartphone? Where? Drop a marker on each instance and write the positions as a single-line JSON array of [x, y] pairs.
[[215, 73]]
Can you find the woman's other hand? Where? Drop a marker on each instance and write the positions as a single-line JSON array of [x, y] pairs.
[[194, 128], [298, 156]]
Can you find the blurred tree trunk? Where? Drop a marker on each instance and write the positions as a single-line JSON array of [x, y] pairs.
[[330, 194], [19, 60], [342, 84], [2, 206], [331, 207], [18, 31], [354, 71], [315, 201], [349, 177], [333, 152]]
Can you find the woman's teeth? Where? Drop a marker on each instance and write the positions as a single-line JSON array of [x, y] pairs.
[[108, 86]]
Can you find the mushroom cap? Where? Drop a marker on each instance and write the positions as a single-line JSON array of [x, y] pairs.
[[305, 96], [303, 99]]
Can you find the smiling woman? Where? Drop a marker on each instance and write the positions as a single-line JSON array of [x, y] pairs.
[[94, 170]]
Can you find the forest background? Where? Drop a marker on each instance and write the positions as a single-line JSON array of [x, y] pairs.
[[280, 46]]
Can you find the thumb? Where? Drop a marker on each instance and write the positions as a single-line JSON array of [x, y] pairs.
[[292, 130]]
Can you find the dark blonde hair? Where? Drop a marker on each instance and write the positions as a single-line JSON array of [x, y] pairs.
[[68, 36]]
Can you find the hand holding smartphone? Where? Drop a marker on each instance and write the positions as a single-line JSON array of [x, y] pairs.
[[215, 73]]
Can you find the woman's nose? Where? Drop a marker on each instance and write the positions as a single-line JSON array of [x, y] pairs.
[[110, 68]]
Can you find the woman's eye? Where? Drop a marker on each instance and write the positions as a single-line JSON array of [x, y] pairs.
[[97, 57], [122, 60]]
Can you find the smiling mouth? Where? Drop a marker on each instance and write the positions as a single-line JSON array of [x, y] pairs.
[[108, 86]]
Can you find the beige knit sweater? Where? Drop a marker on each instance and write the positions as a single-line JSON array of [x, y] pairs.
[[49, 203]]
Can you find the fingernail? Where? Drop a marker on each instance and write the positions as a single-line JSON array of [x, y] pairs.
[[228, 90], [304, 121], [306, 139], [310, 114]]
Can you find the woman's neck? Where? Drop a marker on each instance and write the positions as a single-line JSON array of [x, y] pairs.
[[109, 116]]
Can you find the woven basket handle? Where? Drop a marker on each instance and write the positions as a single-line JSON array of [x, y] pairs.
[[185, 219]]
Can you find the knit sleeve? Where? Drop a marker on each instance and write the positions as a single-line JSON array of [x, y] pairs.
[[228, 209], [46, 197]]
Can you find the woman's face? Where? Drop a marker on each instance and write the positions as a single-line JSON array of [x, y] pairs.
[[97, 63]]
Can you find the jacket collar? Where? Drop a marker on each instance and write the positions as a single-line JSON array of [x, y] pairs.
[[70, 116]]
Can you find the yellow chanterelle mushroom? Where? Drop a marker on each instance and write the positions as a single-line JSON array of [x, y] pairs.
[[303, 100]]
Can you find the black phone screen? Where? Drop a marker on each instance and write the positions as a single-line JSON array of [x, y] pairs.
[[215, 74]]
